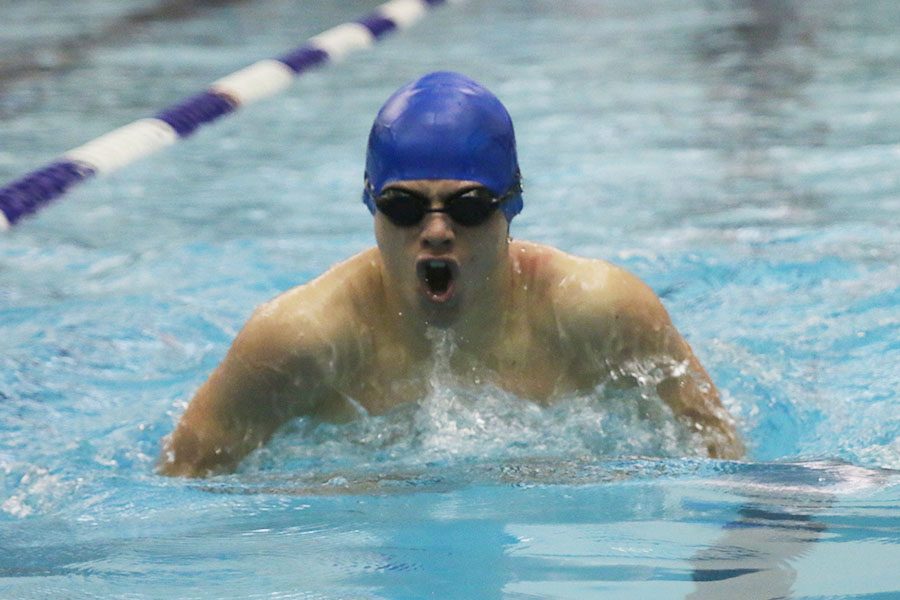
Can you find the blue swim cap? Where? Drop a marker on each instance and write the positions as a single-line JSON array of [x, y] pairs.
[[443, 126]]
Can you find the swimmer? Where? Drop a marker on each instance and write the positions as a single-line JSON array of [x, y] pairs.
[[442, 181]]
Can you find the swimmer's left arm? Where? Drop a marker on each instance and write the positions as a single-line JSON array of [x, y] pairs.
[[635, 328], [687, 387]]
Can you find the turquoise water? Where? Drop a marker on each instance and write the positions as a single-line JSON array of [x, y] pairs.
[[740, 157]]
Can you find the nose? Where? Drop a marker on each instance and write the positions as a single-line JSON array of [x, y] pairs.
[[437, 233]]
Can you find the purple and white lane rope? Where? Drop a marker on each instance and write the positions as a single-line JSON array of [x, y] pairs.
[[141, 138]]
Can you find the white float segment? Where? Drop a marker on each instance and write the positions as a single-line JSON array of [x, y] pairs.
[[4, 222], [339, 41], [124, 145], [402, 12], [260, 80]]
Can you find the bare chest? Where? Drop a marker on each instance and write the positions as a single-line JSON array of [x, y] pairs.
[[526, 366]]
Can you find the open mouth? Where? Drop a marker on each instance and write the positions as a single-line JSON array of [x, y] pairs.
[[437, 277]]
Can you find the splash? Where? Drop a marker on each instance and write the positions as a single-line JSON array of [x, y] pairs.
[[474, 425], [35, 489]]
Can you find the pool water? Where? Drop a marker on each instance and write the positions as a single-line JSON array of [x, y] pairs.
[[739, 157]]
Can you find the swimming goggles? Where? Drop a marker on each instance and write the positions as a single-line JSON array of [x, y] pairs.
[[469, 208]]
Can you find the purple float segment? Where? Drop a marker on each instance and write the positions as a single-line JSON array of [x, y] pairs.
[[303, 58], [377, 24], [195, 111], [30, 193]]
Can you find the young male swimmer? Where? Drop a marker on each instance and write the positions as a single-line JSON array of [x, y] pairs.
[[442, 181]]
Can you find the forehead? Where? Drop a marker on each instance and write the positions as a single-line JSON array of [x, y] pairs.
[[433, 187]]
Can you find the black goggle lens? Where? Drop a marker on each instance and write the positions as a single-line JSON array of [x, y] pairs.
[[468, 209]]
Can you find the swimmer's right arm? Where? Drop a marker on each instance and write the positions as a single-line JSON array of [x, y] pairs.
[[271, 374]]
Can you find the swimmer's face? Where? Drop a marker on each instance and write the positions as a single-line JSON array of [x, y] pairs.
[[437, 263]]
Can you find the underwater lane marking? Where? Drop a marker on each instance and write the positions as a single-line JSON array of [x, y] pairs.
[[265, 78]]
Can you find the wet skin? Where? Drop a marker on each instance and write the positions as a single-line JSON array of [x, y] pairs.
[[528, 318]]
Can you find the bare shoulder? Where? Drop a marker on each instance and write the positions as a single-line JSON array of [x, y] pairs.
[[311, 318], [590, 294]]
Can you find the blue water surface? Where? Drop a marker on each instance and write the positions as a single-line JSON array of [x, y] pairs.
[[740, 157]]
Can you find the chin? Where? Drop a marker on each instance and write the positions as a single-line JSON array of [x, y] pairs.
[[442, 316]]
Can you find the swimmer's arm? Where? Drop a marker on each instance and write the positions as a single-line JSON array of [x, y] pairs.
[[268, 377], [687, 388], [631, 326], [693, 397]]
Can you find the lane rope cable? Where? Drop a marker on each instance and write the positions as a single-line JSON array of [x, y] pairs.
[[265, 78]]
